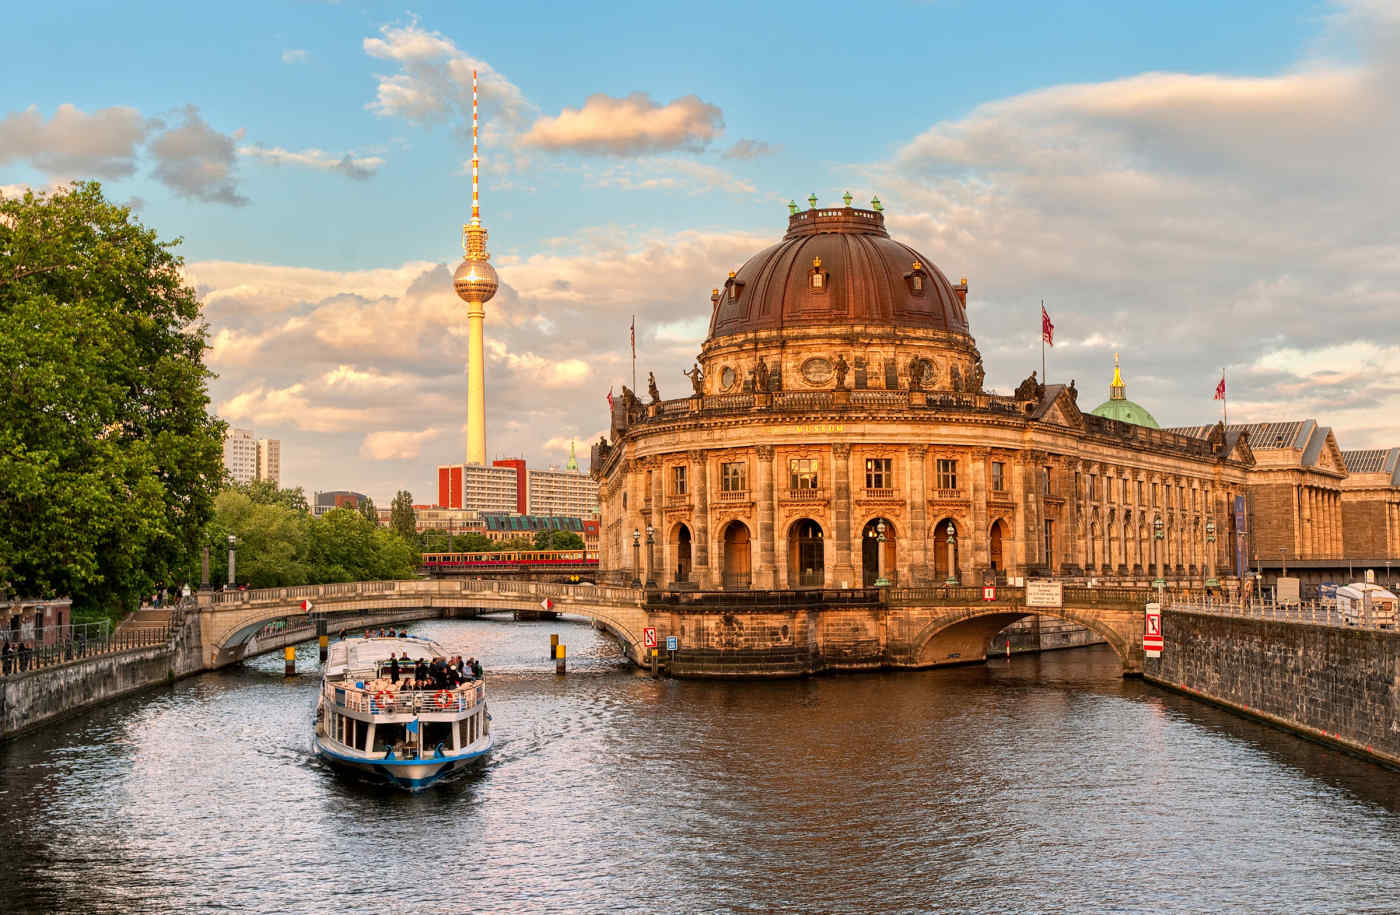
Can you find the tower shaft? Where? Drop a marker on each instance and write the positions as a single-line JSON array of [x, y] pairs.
[[476, 383], [475, 282]]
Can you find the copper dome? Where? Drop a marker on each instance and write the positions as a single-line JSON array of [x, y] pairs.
[[866, 278]]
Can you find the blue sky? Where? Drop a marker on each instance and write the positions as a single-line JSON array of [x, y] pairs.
[[1190, 184]]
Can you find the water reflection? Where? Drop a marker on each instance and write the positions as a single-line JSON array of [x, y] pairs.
[[1035, 784]]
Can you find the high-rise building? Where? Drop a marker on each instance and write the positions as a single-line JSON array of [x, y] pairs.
[[241, 455], [475, 282], [479, 487], [270, 461], [562, 492]]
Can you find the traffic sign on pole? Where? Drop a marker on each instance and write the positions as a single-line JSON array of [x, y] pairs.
[[306, 605], [672, 643], [547, 604], [649, 637], [1152, 631], [989, 592]]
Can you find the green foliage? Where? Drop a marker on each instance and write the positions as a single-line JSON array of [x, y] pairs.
[[109, 459], [280, 546], [265, 492], [403, 520], [368, 511], [565, 540]]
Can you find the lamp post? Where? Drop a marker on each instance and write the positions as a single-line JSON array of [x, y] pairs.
[[651, 556], [1157, 536], [882, 581], [636, 558], [1212, 581], [952, 578], [232, 561], [1283, 561]]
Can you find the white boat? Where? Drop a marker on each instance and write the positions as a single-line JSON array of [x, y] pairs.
[[367, 726]]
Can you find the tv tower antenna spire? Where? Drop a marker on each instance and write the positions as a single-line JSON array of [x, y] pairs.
[[476, 282]]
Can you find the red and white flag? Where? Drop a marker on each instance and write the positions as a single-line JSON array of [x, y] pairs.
[[609, 397], [1220, 388], [634, 336], [1047, 329]]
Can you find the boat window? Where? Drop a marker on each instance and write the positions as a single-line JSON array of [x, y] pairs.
[[463, 733], [387, 735], [361, 732], [434, 733]]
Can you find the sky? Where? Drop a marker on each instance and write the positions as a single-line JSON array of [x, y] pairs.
[[1197, 186]]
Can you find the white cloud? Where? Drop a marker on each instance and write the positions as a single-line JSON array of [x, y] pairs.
[[196, 161], [434, 81], [396, 445], [74, 144], [628, 126], [294, 56], [360, 167], [671, 174]]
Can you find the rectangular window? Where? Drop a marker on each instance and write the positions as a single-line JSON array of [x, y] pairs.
[[733, 477], [1050, 544], [878, 474], [947, 473], [678, 480], [1140, 488], [998, 476], [1154, 493], [1045, 481], [1123, 486], [802, 473]]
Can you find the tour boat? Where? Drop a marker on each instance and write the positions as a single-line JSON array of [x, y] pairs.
[[368, 727]]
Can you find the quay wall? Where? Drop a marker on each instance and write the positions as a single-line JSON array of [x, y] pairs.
[[1333, 684]]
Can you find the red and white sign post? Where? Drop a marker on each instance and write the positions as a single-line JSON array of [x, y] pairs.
[[989, 592], [546, 605], [649, 637], [1152, 631]]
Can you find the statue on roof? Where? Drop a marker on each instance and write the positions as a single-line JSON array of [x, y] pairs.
[[1030, 389], [652, 392], [760, 377], [697, 380], [1073, 391], [841, 367], [976, 376]]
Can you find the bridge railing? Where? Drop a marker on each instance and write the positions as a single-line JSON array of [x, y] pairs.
[[76, 644], [763, 599], [1318, 612], [371, 701], [421, 587]]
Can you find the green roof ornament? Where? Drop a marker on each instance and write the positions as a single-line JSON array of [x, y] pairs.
[[876, 205], [813, 200], [847, 197], [792, 207]]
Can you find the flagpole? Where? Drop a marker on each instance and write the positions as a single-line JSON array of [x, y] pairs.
[[1225, 398], [1044, 377], [634, 354]]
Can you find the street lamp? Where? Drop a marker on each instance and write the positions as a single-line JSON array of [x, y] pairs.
[[1283, 561], [1212, 581], [232, 561], [636, 558], [952, 578], [1157, 536], [651, 556], [882, 581]]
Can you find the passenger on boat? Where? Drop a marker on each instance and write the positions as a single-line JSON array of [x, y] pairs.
[[393, 670]]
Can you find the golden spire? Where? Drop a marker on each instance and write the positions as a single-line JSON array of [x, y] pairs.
[[1116, 389]]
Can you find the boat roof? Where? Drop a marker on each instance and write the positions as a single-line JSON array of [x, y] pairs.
[[365, 653], [1355, 589]]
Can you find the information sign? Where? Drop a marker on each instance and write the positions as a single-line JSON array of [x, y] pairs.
[[649, 637], [1152, 631], [1044, 593], [672, 643], [989, 592]]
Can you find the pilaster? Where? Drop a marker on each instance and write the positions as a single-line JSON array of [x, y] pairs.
[[700, 543], [764, 574], [915, 544], [844, 570]]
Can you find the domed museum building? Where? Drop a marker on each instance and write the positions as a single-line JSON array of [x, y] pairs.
[[836, 434]]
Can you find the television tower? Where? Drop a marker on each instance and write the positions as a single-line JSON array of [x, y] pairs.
[[476, 282]]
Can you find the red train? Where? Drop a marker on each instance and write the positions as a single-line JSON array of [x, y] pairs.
[[513, 558]]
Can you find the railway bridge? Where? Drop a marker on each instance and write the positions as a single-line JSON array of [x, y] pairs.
[[722, 634]]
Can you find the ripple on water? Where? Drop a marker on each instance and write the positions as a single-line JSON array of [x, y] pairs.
[[1044, 784]]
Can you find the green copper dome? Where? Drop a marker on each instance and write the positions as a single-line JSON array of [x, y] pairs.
[[1119, 407]]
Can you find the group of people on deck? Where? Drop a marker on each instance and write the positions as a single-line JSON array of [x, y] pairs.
[[439, 673]]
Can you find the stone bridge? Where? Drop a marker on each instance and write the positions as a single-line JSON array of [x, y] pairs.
[[732, 633], [239, 624]]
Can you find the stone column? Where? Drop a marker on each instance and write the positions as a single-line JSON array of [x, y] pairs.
[[700, 539], [975, 542], [1033, 529], [911, 551], [844, 568], [764, 573]]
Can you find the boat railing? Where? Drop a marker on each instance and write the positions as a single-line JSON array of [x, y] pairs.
[[387, 701]]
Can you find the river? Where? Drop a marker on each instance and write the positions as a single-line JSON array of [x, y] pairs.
[[1036, 784]]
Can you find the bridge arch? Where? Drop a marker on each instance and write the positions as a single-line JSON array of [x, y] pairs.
[[962, 633]]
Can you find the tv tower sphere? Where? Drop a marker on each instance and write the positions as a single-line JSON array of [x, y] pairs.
[[475, 280]]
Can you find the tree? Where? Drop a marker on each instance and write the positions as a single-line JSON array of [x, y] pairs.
[[265, 492], [109, 459], [565, 540], [367, 509], [403, 520]]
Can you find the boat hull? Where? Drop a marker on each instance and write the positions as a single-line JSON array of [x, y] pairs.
[[408, 774]]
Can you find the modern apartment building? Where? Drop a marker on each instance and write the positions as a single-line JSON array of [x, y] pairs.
[[241, 455], [270, 461]]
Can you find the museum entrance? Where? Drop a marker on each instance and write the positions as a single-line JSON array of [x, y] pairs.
[[870, 552], [806, 555], [736, 557]]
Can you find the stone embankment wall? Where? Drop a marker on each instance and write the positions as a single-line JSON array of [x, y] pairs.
[[37, 697], [1334, 684]]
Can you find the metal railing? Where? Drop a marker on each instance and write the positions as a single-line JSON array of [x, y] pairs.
[[1317, 612], [25, 655], [402, 701]]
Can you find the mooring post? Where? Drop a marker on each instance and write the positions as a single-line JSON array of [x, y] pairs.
[[324, 639], [290, 655], [554, 645], [559, 660], [653, 663]]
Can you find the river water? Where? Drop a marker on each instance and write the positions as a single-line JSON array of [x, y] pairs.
[[1038, 784]]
